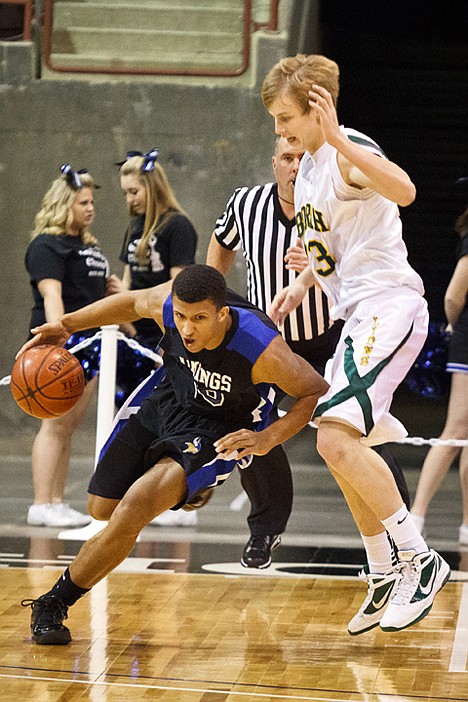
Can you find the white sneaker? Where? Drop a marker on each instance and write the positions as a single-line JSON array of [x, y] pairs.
[[56, 515], [73, 517], [38, 515], [380, 589], [175, 518], [422, 576], [463, 535], [418, 522]]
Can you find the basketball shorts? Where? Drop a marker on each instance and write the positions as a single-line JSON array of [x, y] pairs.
[[458, 346], [378, 345], [136, 449]]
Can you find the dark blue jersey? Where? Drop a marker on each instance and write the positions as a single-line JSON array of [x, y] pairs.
[[217, 383]]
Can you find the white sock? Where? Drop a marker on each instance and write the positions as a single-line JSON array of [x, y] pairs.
[[403, 531], [379, 552]]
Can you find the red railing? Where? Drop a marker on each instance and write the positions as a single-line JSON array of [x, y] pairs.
[[274, 11], [28, 9], [248, 27]]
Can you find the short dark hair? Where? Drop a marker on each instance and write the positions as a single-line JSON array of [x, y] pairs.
[[198, 282]]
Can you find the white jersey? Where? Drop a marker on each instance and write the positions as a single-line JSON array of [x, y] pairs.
[[353, 236]]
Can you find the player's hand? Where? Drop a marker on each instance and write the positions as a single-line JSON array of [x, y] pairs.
[[285, 302], [50, 333], [243, 443], [296, 257], [321, 102]]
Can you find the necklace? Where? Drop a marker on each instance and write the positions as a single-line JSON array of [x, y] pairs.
[[284, 200]]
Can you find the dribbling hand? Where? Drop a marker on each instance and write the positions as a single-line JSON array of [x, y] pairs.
[[50, 333]]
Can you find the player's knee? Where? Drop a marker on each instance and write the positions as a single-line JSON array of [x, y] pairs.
[[101, 508], [332, 444], [330, 453], [135, 511], [199, 499]]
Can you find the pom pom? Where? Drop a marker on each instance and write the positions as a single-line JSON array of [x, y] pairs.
[[428, 377]]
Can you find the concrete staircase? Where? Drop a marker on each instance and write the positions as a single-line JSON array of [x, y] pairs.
[[180, 35]]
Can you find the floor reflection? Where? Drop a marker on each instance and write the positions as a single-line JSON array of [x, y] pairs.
[[186, 556]]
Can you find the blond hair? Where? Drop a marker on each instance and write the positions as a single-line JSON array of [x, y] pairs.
[[161, 203], [295, 76], [56, 216]]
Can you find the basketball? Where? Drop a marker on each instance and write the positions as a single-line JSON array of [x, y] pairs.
[[47, 381]]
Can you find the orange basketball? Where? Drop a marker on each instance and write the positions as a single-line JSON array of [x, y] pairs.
[[47, 381]]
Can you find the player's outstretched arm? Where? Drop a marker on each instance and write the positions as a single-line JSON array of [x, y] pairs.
[[116, 309], [278, 365]]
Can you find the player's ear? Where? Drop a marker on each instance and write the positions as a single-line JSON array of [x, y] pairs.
[[223, 313]]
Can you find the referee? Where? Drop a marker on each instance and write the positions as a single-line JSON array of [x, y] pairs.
[[260, 221]]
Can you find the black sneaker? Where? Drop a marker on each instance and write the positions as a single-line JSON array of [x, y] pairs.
[[48, 613], [257, 553]]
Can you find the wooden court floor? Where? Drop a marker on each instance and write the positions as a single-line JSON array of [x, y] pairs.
[[182, 621], [188, 637]]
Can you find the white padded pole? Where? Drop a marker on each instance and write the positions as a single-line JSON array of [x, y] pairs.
[[105, 418], [106, 388]]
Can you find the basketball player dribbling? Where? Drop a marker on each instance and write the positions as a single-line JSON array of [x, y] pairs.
[[347, 195], [208, 416]]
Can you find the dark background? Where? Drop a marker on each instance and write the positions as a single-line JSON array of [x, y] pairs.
[[404, 82]]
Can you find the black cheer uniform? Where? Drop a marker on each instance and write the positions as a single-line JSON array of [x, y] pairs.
[[203, 396], [82, 269], [173, 246]]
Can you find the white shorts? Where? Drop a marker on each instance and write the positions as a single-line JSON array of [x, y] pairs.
[[378, 345]]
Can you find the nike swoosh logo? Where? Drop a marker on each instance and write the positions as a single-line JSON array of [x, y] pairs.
[[426, 589], [378, 604], [402, 520]]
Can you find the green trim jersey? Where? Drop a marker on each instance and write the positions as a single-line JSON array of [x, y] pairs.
[[353, 236]]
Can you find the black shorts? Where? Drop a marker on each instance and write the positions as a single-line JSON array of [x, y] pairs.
[[458, 346], [136, 449]]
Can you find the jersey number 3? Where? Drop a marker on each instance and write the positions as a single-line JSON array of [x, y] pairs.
[[321, 255]]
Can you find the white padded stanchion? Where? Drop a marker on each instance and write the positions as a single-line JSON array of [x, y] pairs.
[[105, 417], [106, 389]]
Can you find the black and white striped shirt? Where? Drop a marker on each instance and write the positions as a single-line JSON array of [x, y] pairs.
[[254, 222]]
